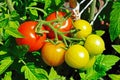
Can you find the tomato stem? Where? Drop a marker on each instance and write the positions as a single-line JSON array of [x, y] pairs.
[[21, 60], [57, 32], [39, 9]]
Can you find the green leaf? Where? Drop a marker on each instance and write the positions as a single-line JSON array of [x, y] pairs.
[[3, 52], [54, 76], [99, 32], [114, 29], [13, 24], [57, 2], [5, 63], [33, 4], [33, 14], [106, 61], [102, 65], [47, 3], [8, 76], [14, 16], [117, 48], [13, 32], [31, 73], [114, 76]]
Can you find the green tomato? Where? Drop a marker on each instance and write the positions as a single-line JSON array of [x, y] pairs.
[[77, 56], [94, 44]]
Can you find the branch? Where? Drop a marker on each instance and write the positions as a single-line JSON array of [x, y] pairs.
[[99, 12]]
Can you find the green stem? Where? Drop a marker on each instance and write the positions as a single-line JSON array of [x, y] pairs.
[[39, 9], [10, 5], [57, 32], [92, 10], [21, 60]]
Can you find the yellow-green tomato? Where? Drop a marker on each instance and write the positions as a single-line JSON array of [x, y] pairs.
[[90, 62], [77, 56], [94, 44], [84, 27]]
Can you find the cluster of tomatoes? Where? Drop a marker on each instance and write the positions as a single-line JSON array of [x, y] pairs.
[[54, 54]]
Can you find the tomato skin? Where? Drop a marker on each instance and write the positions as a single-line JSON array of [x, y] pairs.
[[77, 56], [67, 25], [94, 44], [53, 54], [84, 27], [34, 41]]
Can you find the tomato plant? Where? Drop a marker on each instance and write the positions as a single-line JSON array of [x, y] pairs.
[[94, 44], [53, 54], [77, 56], [64, 26], [36, 24], [31, 38], [84, 28]]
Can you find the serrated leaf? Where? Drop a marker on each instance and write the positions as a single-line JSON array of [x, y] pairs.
[[114, 29], [114, 76], [28, 74], [47, 3], [90, 74], [107, 61], [41, 71], [102, 65], [5, 63], [8, 76], [31, 74], [13, 32], [117, 48], [54, 76]]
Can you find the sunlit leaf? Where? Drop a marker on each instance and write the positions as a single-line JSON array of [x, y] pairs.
[[114, 76], [100, 32], [114, 29], [13, 32], [54, 76], [47, 3], [117, 48], [3, 52], [5, 63], [31, 73], [8, 76]]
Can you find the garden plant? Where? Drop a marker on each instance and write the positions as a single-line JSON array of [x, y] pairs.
[[59, 40]]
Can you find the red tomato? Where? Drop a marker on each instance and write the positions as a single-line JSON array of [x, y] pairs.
[[34, 41], [53, 54], [67, 25]]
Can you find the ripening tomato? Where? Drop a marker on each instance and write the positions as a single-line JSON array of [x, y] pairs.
[[66, 25], [77, 56], [84, 27], [53, 54], [33, 40], [94, 44]]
